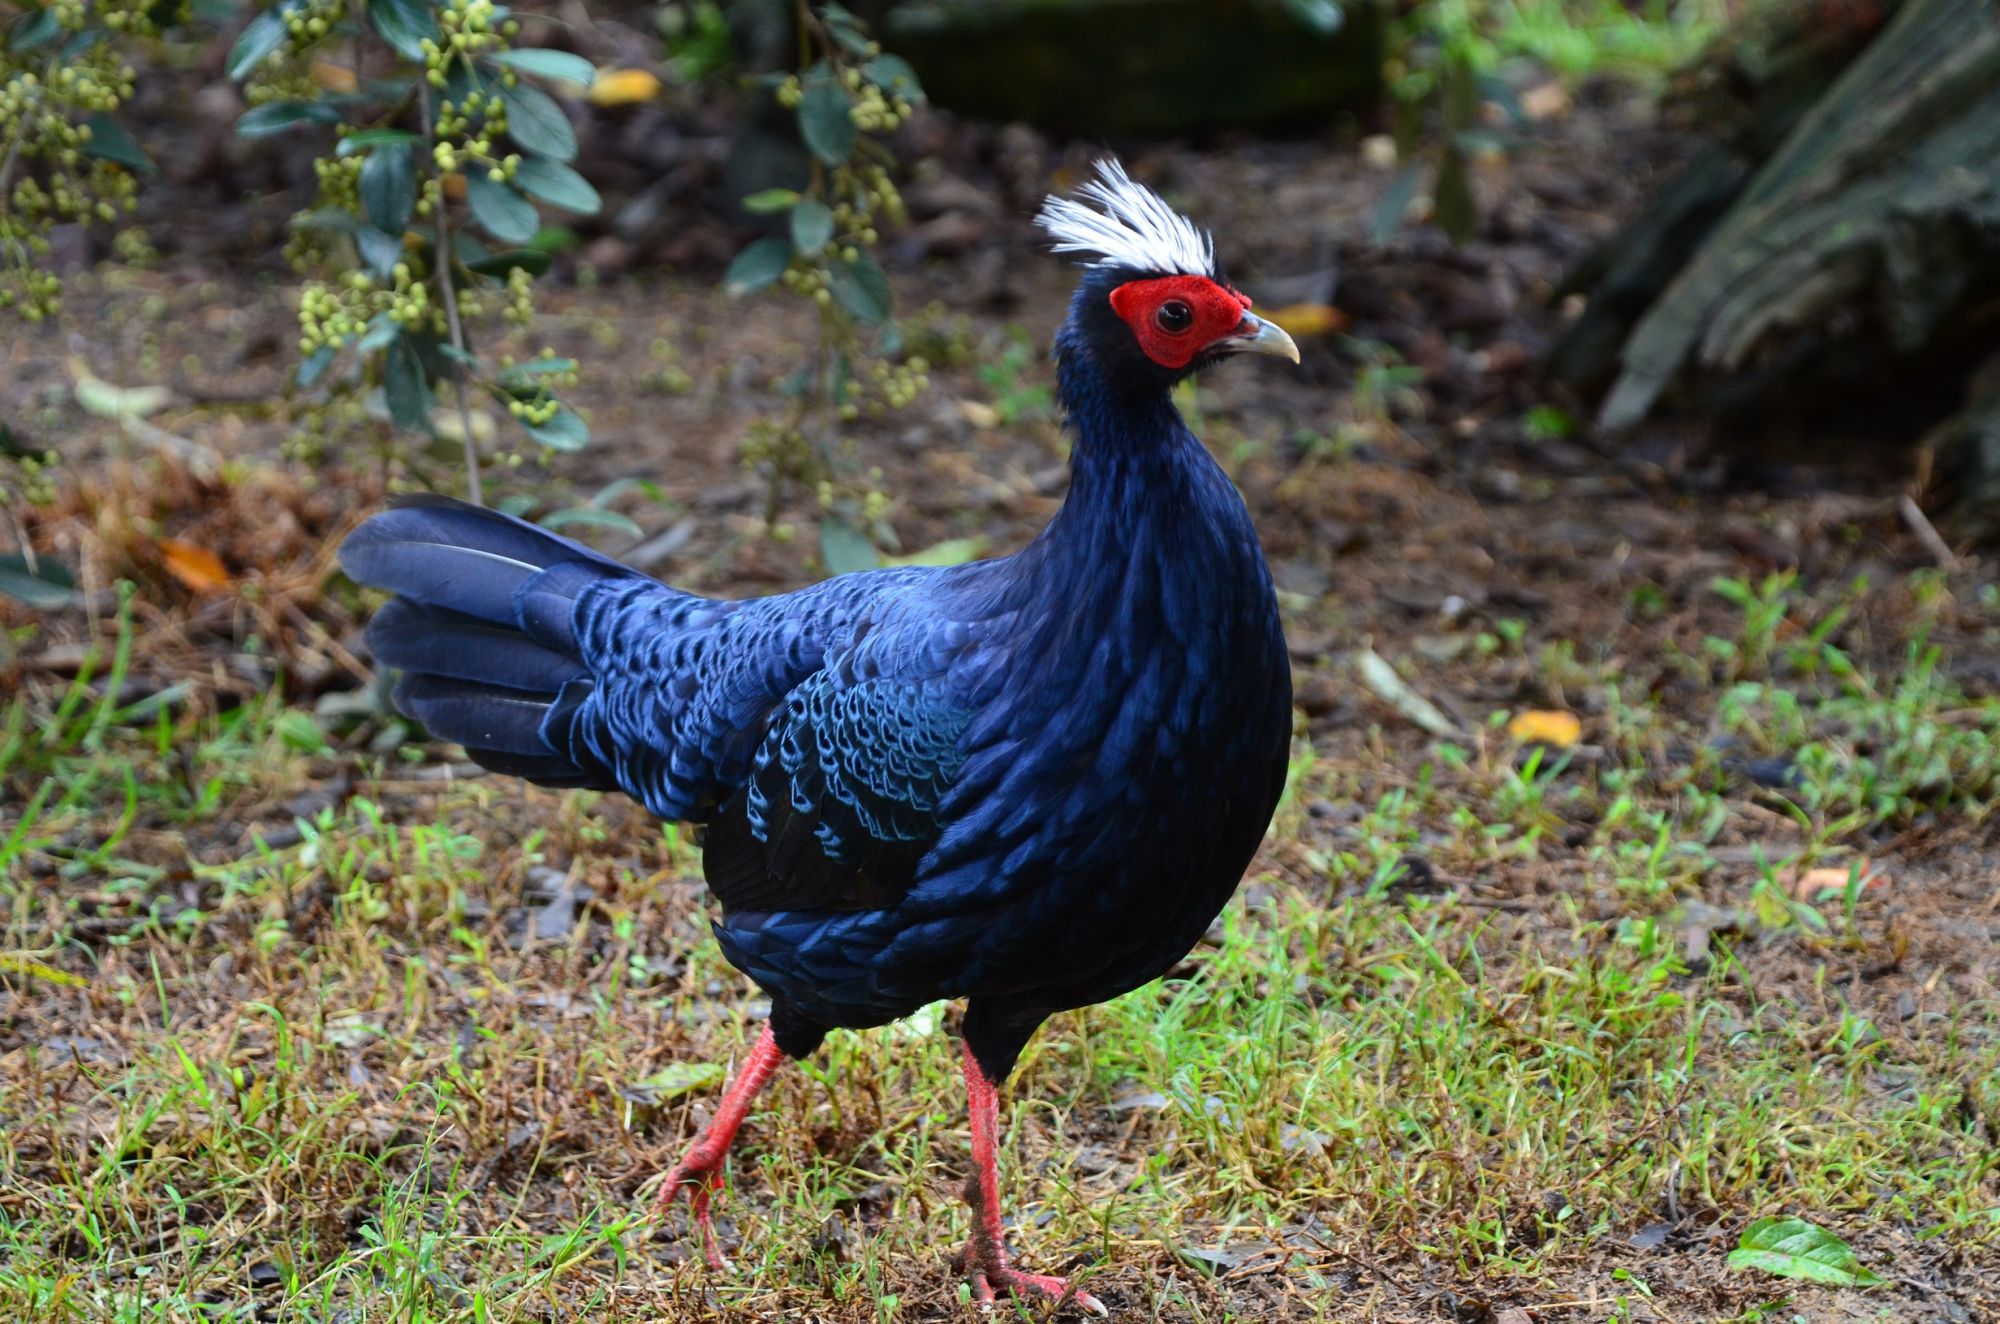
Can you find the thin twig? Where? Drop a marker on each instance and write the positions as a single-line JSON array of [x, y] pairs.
[[1927, 534], [450, 296]]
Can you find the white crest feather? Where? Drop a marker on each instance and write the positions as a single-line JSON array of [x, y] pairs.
[[1134, 229]]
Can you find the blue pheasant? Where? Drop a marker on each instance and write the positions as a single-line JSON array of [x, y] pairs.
[[1030, 782]]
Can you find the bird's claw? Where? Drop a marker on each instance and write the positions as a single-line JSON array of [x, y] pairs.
[[702, 1178], [992, 1278]]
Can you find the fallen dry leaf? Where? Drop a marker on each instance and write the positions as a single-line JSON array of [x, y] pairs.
[[104, 400], [333, 77], [623, 87], [196, 568], [979, 413], [1379, 150], [1811, 884], [1543, 726], [1544, 102], [1310, 319], [1380, 677]]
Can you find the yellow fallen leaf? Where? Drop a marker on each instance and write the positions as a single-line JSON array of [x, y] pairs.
[[979, 413], [14, 963], [1541, 726], [623, 87], [196, 568], [333, 77], [1310, 319]]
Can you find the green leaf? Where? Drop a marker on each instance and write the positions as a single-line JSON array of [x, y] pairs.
[[277, 116], [314, 366], [110, 142], [380, 252], [861, 288], [382, 331], [370, 138], [327, 218], [812, 226], [1794, 1248], [37, 27], [504, 213], [565, 432], [299, 730], [593, 516], [673, 1080], [535, 121], [529, 260], [845, 28], [404, 389], [541, 367], [770, 201], [844, 549], [47, 585], [758, 265], [404, 24], [265, 34], [549, 64], [826, 121], [558, 185], [389, 188], [893, 74], [952, 551]]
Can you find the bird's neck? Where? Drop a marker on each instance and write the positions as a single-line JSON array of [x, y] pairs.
[[1144, 492]]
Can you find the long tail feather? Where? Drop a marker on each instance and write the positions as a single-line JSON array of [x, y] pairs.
[[481, 630]]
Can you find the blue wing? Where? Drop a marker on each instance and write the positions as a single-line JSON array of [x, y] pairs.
[[844, 797]]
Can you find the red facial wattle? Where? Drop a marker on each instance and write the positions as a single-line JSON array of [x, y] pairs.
[[1175, 318]]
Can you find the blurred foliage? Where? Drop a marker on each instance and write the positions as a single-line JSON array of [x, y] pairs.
[[65, 159], [1456, 66], [846, 97], [428, 219]]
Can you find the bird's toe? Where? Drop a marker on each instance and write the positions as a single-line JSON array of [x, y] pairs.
[[990, 1281], [700, 1177]]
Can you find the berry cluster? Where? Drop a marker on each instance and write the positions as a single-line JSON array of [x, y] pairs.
[[48, 173], [333, 313]]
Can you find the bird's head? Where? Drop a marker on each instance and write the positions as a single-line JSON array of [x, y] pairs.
[[1151, 308]]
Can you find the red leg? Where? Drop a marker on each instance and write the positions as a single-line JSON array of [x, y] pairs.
[[985, 1256], [700, 1169]]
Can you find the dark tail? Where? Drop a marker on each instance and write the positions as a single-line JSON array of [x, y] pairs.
[[482, 629]]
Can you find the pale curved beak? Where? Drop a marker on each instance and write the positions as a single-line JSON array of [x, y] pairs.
[[1254, 335]]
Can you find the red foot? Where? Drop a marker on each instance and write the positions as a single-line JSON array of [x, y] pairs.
[[700, 1169], [701, 1174], [984, 1258], [989, 1280]]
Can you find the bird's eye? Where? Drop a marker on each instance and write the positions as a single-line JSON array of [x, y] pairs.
[[1174, 317]]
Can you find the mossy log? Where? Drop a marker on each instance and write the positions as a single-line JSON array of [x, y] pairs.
[[1870, 234]]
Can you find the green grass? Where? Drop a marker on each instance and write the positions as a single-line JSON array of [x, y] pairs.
[[307, 1064]]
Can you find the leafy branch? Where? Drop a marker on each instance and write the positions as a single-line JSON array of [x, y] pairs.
[[403, 275]]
